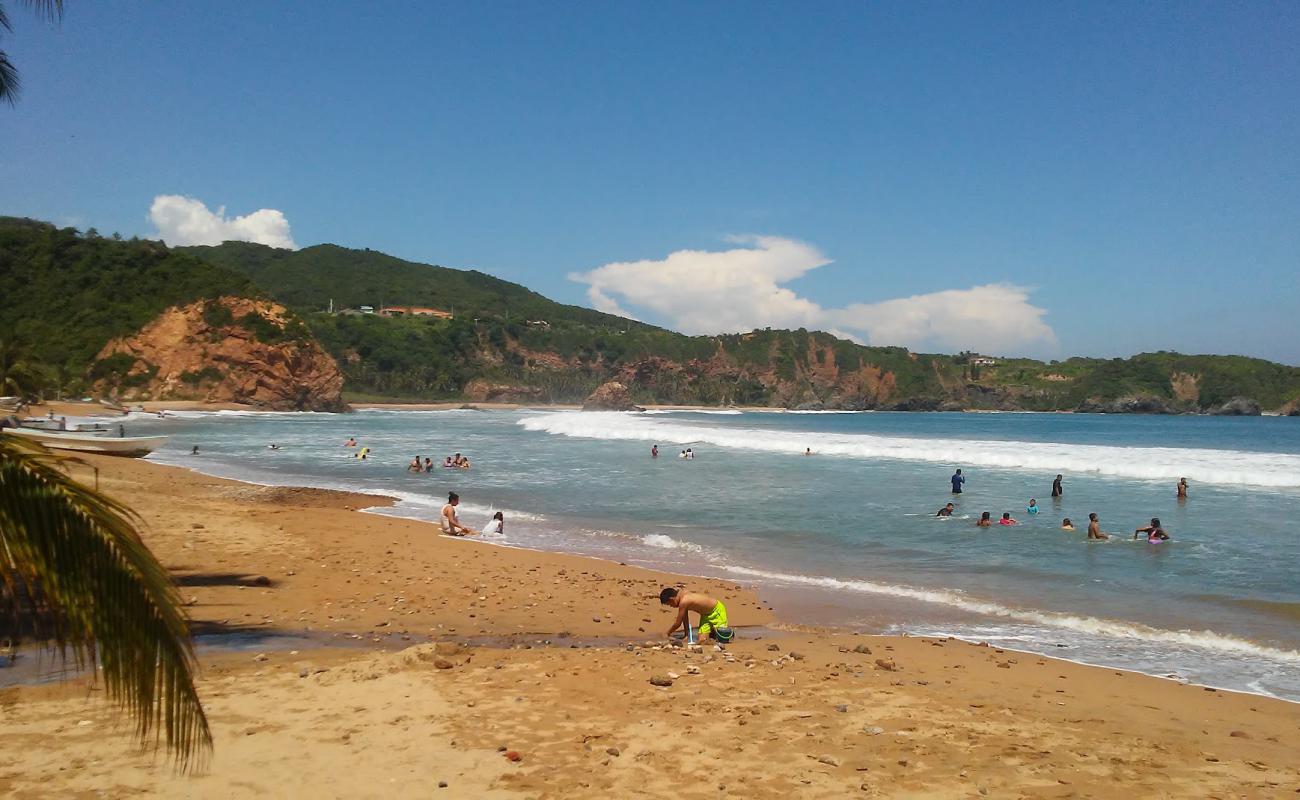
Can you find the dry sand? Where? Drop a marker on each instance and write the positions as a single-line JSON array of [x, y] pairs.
[[533, 658]]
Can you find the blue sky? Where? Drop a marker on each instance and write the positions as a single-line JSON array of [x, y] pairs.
[[1129, 174]]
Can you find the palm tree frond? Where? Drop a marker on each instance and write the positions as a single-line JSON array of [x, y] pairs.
[[51, 10], [74, 557], [9, 84]]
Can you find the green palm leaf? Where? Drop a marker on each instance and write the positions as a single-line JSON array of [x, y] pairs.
[[74, 572]]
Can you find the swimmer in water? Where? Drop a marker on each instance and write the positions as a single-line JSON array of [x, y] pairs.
[[195, 451], [1032, 508], [1057, 489], [428, 465], [807, 451], [1182, 488], [351, 442], [946, 511], [1007, 520], [273, 447], [984, 521], [654, 451], [497, 525], [1155, 533], [415, 465], [1094, 528], [1067, 525]]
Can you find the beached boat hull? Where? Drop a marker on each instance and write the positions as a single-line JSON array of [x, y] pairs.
[[129, 446]]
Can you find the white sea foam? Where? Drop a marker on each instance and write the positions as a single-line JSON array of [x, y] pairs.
[[669, 543], [1089, 625], [1226, 467]]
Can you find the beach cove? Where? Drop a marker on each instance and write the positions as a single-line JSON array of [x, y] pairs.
[[802, 710]]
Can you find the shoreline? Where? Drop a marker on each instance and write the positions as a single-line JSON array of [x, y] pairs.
[[767, 595], [911, 715]]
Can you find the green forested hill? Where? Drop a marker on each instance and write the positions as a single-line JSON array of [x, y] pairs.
[[308, 279], [65, 294]]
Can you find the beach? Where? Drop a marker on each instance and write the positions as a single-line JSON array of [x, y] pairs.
[[437, 660]]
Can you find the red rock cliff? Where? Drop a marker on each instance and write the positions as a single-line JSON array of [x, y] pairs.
[[231, 350]]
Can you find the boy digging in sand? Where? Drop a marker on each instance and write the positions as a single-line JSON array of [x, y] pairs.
[[713, 614]]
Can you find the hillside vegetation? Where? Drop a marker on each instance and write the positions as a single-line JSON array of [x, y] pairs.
[[68, 293]]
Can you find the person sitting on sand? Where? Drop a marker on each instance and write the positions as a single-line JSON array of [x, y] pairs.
[[415, 465], [985, 521], [946, 511], [713, 614], [1032, 508], [351, 442], [497, 526], [1067, 525], [1182, 488], [1007, 520], [1155, 533], [449, 521], [1094, 528]]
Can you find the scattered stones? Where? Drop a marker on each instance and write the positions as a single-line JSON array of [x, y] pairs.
[[514, 755], [693, 670], [774, 648], [613, 751], [261, 580], [304, 672], [661, 680], [446, 648], [796, 656], [261, 657], [842, 708], [872, 730], [887, 664], [829, 760], [673, 676], [442, 784], [442, 663], [862, 649], [1239, 735]]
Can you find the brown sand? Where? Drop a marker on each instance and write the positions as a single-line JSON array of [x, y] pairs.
[[811, 718]]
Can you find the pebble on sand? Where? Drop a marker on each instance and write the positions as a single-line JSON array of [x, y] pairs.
[[661, 680]]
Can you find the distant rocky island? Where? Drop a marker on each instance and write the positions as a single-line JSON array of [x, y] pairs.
[[313, 328]]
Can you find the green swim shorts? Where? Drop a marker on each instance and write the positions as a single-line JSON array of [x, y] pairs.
[[717, 618]]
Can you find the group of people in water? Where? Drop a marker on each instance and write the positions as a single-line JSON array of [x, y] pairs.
[[456, 461], [1155, 534]]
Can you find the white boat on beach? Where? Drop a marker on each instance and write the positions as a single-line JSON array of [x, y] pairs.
[[131, 446]]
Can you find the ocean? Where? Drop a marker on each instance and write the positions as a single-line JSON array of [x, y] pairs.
[[848, 536]]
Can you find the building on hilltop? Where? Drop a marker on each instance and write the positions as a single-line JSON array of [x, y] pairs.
[[414, 311]]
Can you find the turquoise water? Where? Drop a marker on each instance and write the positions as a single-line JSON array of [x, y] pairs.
[[849, 535]]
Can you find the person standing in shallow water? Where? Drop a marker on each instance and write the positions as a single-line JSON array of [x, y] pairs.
[[1182, 488], [654, 451], [1056, 487], [957, 481]]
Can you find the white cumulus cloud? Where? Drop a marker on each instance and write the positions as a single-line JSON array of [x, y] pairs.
[[740, 289], [185, 221]]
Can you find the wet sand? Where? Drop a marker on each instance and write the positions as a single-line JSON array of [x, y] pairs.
[[808, 713]]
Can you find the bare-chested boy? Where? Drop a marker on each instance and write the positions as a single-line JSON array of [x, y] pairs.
[[713, 614]]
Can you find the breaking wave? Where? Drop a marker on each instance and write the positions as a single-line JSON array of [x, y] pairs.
[[1208, 640], [1224, 467]]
